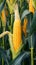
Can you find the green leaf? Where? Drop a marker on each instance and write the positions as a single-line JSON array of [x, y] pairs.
[[1, 1], [33, 25], [2, 5], [25, 13], [3, 55], [21, 56]]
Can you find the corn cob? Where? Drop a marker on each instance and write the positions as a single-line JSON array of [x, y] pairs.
[[3, 17], [17, 30], [31, 8], [25, 26]]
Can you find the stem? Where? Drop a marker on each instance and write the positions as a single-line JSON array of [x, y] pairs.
[[3, 37], [4, 33], [11, 22], [32, 62], [3, 46], [11, 31]]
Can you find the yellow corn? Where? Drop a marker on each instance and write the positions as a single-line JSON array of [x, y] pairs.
[[31, 8], [16, 31], [3, 17], [25, 26]]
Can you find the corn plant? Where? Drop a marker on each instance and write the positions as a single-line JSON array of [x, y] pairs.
[[18, 18]]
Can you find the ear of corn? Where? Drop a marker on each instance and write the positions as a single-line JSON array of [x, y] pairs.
[[12, 1], [3, 18], [15, 38], [25, 26], [11, 5], [31, 8], [16, 31], [16, 35], [14, 55]]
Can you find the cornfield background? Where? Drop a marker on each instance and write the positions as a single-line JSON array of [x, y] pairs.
[[17, 32]]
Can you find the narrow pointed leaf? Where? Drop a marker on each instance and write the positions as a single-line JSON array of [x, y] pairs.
[[33, 25], [18, 60], [3, 54], [25, 13], [2, 5]]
